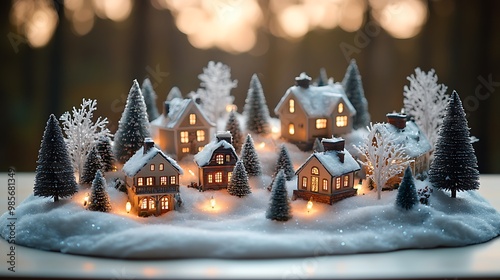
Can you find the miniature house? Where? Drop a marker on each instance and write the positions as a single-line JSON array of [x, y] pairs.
[[327, 176], [152, 180], [216, 163], [182, 129], [307, 112]]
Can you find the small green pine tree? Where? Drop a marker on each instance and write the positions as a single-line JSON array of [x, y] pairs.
[[354, 90], [284, 162], [250, 158], [99, 199], [105, 151], [256, 110], [239, 181], [233, 126], [91, 166], [407, 193], [150, 99], [279, 207]]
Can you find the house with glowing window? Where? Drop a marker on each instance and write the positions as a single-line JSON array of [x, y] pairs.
[[327, 176], [152, 180], [216, 163], [182, 128], [307, 112]]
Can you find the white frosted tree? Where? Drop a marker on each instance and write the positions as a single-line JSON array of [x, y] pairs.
[[175, 92], [426, 101], [384, 157], [215, 91], [81, 132]]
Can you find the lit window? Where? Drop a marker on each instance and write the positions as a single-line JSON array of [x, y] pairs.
[[185, 150], [164, 203], [337, 183], [315, 171], [200, 135], [200, 149], [192, 119], [314, 183], [144, 203], [184, 137], [341, 121], [150, 181], [163, 180], [152, 167], [291, 106], [291, 129], [173, 180], [304, 182], [229, 176], [210, 178], [228, 158], [341, 108], [140, 181], [346, 181], [151, 203], [161, 167], [219, 159], [218, 177], [325, 184], [320, 123]]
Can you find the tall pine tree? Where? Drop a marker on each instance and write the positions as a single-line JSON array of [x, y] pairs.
[[407, 193], [99, 199], [91, 166], [256, 110], [250, 158], [233, 126], [354, 90], [279, 207], [455, 164], [150, 99], [105, 151], [54, 173], [239, 181], [284, 162], [133, 126]]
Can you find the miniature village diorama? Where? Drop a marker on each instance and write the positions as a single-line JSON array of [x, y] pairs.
[[322, 163]]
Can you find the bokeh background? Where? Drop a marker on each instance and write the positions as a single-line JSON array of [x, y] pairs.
[[54, 53]]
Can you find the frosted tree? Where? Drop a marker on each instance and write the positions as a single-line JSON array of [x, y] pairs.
[[279, 207], [354, 90], [284, 162], [426, 100], [103, 146], [233, 126], [250, 158], [455, 164], [175, 92], [256, 110], [215, 92], [54, 174], [322, 80], [133, 126], [150, 99], [99, 199], [407, 193], [239, 181], [384, 158], [81, 132], [91, 166], [317, 146]]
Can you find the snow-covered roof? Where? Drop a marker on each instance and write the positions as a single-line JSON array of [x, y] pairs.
[[318, 101], [139, 160], [204, 156], [332, 163], [178, 107], [412, 138]]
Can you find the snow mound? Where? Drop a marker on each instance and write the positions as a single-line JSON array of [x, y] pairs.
[[237, 227]]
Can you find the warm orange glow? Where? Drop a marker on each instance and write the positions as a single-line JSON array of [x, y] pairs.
[[128, 207], [291, 129], [262, 145], [191, 172], [402, 19], [275, 129], [231, 107], [351, 16], [86, 199], [309, 205], [212, 202]]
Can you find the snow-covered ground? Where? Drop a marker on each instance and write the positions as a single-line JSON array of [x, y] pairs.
[[237, 227]]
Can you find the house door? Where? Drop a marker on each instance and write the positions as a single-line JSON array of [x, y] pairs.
[[314, 183]]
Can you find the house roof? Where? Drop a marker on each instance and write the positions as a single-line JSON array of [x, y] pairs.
[[317, 101], [178, 109], [204, 156], [139, 160], [332, 164], [412, 138]]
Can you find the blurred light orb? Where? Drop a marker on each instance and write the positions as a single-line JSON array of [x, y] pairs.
[[403, 19]]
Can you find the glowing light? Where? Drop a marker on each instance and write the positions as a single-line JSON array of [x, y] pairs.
[[191, 172], [212, 202], [128, 207], [351, 15], [262, 145], [293, 21], [402, 19], [86, 199], [309, 205], [115, 10], [231, 107]]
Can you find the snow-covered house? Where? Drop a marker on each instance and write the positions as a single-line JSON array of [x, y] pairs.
[[152, 180], [182, 129], [327, 176], [216, 163], [307, 112]]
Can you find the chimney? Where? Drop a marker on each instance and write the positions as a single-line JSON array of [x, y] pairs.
[[397, 119], [336, 145], [166, 108], [224, 135], [303, 80], [148, 145]]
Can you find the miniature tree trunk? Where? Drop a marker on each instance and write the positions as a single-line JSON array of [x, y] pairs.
[[233, 126], [407, 193], [256, 110], [279, 206], [99, 200], [284, 162], [239, 181], [250, 158]]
